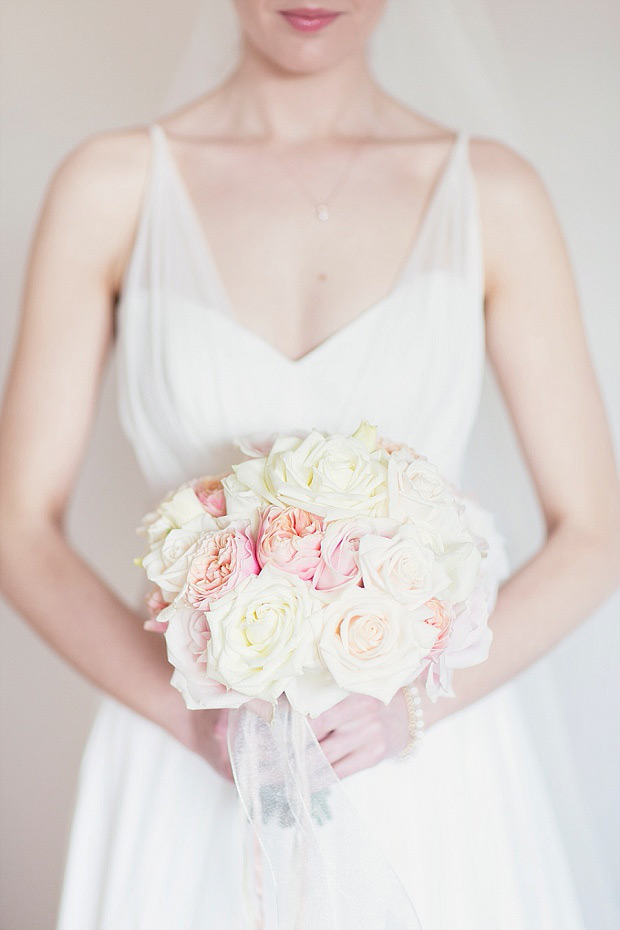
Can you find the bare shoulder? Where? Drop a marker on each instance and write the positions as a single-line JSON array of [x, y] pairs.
[[504, 176], [517, 214], [94, 197], [105, 156]]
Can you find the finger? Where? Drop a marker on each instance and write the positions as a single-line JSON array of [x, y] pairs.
[[353, 707], [341, 743], [354, 762], [320, 726]]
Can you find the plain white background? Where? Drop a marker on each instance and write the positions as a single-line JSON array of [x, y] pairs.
[[70, 69]]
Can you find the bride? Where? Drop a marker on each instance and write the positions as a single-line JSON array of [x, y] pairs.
[[348, 258]]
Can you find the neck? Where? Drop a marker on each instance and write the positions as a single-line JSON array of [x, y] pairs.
[[267, 101]]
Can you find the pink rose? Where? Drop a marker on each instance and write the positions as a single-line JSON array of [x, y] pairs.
[[289, 539], [223, 558], [339, 564], [210, 493], [441, 616]]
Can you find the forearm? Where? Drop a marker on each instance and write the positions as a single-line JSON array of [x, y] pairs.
[[80, 617], [568, 578]]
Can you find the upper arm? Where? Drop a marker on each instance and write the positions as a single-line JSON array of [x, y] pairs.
[[537, 345], [84, 229]]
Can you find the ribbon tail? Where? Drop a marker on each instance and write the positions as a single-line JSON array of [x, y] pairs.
[[327, 872]]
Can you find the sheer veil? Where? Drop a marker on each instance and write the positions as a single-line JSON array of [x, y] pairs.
[[445, 58]]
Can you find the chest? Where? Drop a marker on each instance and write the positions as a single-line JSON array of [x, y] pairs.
[[285, 274], [199, 366]]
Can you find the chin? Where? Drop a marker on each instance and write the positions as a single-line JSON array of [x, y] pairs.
[[294, 60], [308, 36]]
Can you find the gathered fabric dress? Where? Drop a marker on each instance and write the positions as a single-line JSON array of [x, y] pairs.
[[157, 838]]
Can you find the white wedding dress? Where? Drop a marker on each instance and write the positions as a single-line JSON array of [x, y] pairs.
[[157, 840]]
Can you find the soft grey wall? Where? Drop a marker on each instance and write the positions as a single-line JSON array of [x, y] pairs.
[[71, 68]]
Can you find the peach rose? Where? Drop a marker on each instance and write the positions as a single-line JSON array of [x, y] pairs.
[[210, 493], [372, 644], [290, 539], [222, 559]]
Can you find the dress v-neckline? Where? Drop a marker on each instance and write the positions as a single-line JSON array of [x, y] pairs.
[[185, 200]]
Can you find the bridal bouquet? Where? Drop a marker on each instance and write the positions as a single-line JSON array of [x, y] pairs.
[[319, 566]]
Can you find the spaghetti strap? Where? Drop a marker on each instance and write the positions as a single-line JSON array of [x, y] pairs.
[[149, 195]]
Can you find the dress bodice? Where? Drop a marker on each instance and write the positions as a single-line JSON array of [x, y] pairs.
[[191, 378]]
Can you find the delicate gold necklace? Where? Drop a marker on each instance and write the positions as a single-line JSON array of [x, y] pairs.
[[323, 207]]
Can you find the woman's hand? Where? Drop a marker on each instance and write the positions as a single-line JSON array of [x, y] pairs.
[[355, 734], [204, 732], [361, 731]]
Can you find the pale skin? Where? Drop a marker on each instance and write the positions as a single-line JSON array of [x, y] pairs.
[[308, 102]]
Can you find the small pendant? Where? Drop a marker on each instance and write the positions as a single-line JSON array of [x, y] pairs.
[[322, 212]]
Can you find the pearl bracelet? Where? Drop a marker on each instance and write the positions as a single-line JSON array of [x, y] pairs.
[[416, 722]]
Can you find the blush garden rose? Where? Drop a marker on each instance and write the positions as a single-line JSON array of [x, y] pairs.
[[290, 539], [220, 560]]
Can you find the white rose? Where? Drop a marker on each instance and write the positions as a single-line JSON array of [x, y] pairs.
[[415, 488], [261, 634], [168, 561], [240, 500], [456, 551], [404, 567], [332, 476], [372, 644], [177, 509]]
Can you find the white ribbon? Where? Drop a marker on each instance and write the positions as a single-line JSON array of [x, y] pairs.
[[327, 873]]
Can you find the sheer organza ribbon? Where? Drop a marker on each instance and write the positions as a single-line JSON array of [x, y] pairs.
[[327, 872]]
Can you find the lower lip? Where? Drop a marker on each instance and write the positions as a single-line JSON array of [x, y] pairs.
[[309, 23]]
